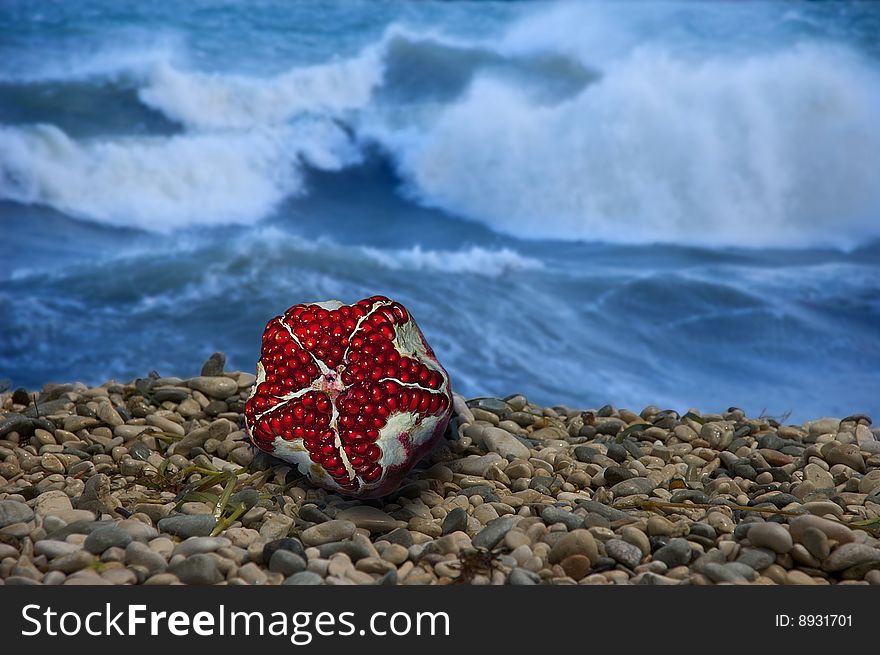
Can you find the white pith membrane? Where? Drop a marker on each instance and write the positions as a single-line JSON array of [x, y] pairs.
[[416, 430]]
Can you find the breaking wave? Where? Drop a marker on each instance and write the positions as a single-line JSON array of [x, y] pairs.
[[536, 136]]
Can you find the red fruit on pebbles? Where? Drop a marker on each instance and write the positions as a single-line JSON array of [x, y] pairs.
[[351, 394]]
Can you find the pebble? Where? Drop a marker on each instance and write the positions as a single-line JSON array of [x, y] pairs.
[[289, 543], [476, 464], [214, 387], [51, 548], [276, 526], [675, 553], [13, 511], [286, 562], [832, 529], [816, 542], [576, 566], [454, 521], [552, 515], [328, 532], [623, 552], [494, 532], [770, 535], [370, 518], [852, 554], [195, 545], [504, 443], [576, 542], [138, 554], [756, 558], [848, 455], [304, 578], [200, 569], [185, 526], [106, 537], [632, 487], [520, 576]]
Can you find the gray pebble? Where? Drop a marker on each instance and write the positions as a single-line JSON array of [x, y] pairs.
[[816, 542], [53, 548], [494, 532], [849, 555], [520, 576], [106, 537], [756, 558], [198, 569], [632, 487], [676, 553], [624, 552], [311, 513], [286, 563], [196, 545], [455, 521], [186, 525], [615, 474], [552, 515], [724, 573], [304, 578], [288, 543], [138, 554], [13, 511], [73, 562]]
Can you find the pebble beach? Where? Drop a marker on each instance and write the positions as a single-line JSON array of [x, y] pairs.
[[154, 482]]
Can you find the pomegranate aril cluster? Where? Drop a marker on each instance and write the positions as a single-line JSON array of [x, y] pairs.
[[333, 376]]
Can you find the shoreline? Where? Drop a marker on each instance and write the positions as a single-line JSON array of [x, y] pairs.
[[120, 484]]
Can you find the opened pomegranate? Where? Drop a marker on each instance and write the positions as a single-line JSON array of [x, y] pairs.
[[351, 394]]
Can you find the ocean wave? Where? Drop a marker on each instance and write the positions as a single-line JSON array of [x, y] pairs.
[[552, 132], [213, 101], [166, 183], [780, 149]]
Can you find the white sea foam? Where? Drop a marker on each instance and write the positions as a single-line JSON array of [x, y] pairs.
[[475, 260], [210, 100], [163, 183], [778, 149]]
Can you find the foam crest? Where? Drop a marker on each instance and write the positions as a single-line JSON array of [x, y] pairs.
[[201, 100], [777, 149], [163, 183], [474, 260]]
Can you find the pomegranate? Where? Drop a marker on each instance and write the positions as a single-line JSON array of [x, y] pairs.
[[351, 394]]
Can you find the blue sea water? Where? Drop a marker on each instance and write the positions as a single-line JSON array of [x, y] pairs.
[[667, 203]]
